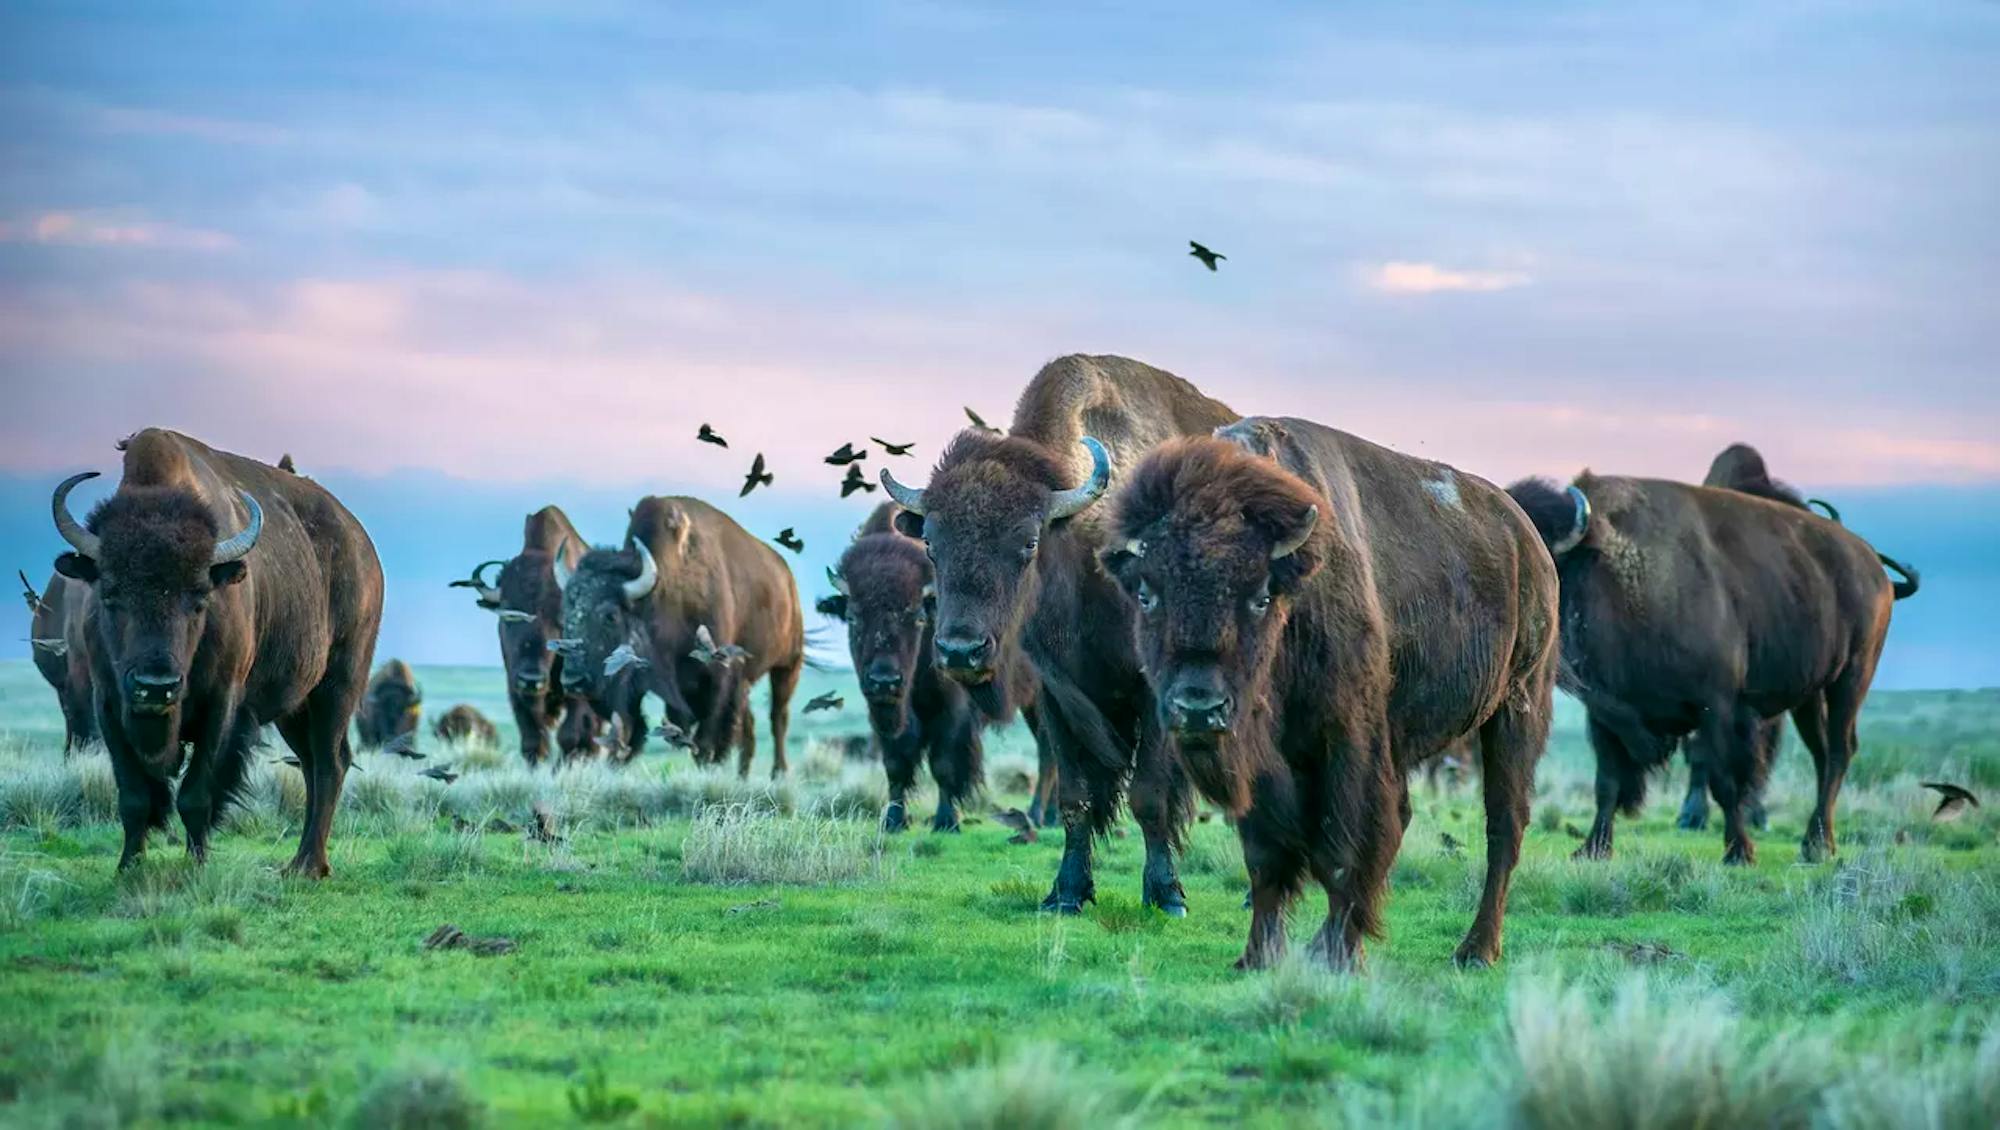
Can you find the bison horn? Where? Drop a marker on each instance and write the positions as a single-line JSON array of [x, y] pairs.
[[1574, 538], [489, 597], [563, 572], [838, 582], [910, 499], [1074, 501], [72, 531], [1290, 543], [235, 547], [649, 574]]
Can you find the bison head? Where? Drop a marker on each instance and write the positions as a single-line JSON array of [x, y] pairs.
[[603, 605], [883, 591], [155, 557], [1212, 542], [392, 706], [528, 604], [981, 520]]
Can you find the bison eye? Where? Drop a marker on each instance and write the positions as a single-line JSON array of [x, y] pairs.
[[1148, 599], [1260, 604]]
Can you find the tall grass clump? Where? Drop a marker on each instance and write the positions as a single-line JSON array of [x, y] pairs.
[[740, 844], [1900, 921], [168, 884], [89, 1083], [1036, 1088], [1360, 1012], [423, 1096], [30, 892], [1953, 1093]]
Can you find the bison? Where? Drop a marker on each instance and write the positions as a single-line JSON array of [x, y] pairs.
[[1699, 613], [224, 594], [527, 602], [55, 613], [883, 592], [686, 567], [1317, 616], [391, 708], [1007, 525], [463, 723]]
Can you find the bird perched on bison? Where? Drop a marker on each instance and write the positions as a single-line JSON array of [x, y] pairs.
[[1318, 615], [224, 595]]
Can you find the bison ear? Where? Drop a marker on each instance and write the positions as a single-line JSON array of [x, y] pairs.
[[227, 573], [909, 524], [834, 606], [77, 567]]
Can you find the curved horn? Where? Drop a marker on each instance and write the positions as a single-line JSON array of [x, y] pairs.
[[72, 531], [1575, 537], [233, 548], [1290, 543], [563, 572], [649, 573], [1074, 501], [838, 582], [908, 498], [489, 597]]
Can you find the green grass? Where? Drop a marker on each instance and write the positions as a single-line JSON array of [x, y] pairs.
[[702, 951]]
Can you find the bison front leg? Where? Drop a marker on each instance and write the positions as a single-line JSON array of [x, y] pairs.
[[1694, 808], [143, 799], [955, 762], [1727, 743], [1161, 800], [531, 723], [899, 760], [196, 799], [1277, 866], [1620, 784]]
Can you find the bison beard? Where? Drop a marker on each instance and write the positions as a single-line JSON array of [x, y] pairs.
[[199, 634], [1318, 616]]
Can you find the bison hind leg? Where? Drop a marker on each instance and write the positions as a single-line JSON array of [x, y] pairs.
[[1510, 743]]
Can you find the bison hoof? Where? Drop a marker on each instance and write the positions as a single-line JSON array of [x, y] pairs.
[[1816, 851], [1058, 903], [1756, 816], [1251, 961], [1470, 956], [1693, 819], [894, 819], [309, 869], [1590, 851], [1741, 855]]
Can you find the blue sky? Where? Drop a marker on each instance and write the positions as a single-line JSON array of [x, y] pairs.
[[465, 261]]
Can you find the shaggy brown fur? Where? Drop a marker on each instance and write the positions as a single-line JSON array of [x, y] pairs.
[[916, 713], [1697, 612], [1005, 571], [463, 723], [282, 636], [712, 572], [1301, 686], [391, 708], [61, 658]]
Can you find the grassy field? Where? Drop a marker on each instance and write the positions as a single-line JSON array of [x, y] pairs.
[[699, 951]]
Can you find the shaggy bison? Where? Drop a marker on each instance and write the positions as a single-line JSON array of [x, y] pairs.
[[1699, 613], [527, 602], [54, 614], [463, 723], [391, 708], [1317, 616], [1006, 522], [633, 619], [225, 594], [883, 592]]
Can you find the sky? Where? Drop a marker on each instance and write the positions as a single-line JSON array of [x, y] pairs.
[[463, 261]]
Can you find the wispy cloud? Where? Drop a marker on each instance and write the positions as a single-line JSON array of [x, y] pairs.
[[83, 229], [1429, 278]]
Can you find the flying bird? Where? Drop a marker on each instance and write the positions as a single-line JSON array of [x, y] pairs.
[[28, 594], [710, 435], [892, 448], [1452, 847], [757, 477], [1024, 829], [1956, 798], [979, 423], [790, 540], [622, 657], [827, 701], [705, 650], [54, 645], [403, 746], [846, 454], [513, 615], [1208, 258], [443, 773], [855, 481], [673, 735]]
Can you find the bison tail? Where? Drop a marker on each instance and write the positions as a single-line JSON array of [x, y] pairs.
[[1907, 587], [1561, 516]]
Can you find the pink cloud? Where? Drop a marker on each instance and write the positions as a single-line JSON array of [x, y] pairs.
[[1428, 278], [79, 229]]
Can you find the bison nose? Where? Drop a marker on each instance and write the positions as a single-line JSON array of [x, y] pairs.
[[882, 684], [967, 658], [150, 692], [1199, 710], [530, 683]]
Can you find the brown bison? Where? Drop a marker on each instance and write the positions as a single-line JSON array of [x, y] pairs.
[[528, 605], [633, 621], [391, 707], [54, 615], [1318, 616], [1006, 521], [225, 594], [1694, 612], [463, 723], [883, 592]]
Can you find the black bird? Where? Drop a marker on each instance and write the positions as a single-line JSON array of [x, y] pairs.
[[1955, 800], [893, 448], [979, 423], [827, 701], [443, 773], [855, 481], [1452, 847], [705, 651], [28, 594], [1024, 830], [846, 455], [710, 435], [757, 477], [286, 465], [404, 746], [1208, 258], [674, 735], [790, 540]]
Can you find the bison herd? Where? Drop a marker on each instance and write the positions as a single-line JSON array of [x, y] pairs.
[[1277, 617]]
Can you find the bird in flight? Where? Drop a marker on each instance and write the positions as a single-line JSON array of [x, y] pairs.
[[622, 657], [827, 701], [28, 594], [403, 745], [710, 435], [893, 448], [705, 650], [846, 455], [1208, 258], [790, 540], [855, 481], [674, 735], [757, 477], [443, 773], [979, 423], [1955, 800]]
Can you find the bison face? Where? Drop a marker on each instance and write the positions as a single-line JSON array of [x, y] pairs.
[[393, 708], [603, 606], [886, 598], [155, 563]]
